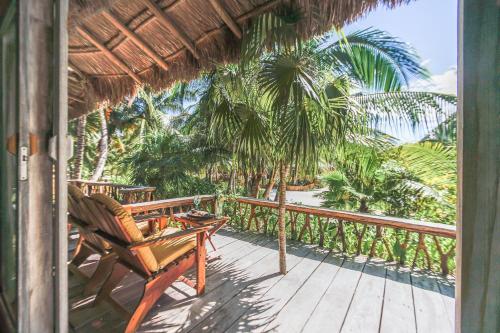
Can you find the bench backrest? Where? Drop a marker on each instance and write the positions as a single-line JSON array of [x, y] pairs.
[[120, 228], [78, 215]]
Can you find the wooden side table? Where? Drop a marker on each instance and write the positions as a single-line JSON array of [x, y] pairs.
[[217, 222]]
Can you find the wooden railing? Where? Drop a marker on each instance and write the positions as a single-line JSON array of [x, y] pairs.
[[410, 242], [166, 209], [120, 192]]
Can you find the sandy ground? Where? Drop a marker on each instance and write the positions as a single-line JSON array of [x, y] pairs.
[[308, 198]]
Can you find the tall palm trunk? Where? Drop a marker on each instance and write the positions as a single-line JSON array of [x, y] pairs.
[[103, 148], [281, 217], [363, 207], [232, 181], [80, 147], [270, 184], [247, 179], [256, 184], [295, 175]]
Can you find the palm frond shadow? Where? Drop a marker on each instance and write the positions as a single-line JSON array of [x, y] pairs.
[[234, 294], [237, 295]]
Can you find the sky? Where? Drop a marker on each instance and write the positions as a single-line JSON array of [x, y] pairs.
[[430, 26]]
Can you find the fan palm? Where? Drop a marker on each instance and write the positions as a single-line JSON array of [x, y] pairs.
[[80, 147], [300, 93]]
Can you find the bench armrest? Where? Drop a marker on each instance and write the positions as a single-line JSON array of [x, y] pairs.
[[163, 204], [152, 240]]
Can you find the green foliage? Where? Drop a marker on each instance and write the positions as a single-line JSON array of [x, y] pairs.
[[413, 180], [311, 104], [170, 162]]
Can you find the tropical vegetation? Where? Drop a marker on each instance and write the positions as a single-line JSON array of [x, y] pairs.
[[291, 110]]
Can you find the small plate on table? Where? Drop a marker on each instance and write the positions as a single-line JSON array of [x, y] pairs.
[[199, 215]]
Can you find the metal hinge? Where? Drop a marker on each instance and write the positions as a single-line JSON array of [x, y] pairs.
[[23, 163]]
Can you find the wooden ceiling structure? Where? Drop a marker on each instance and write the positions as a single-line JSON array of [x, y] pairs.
[[116, 46]]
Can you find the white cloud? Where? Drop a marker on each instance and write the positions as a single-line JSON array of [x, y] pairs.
[[443, 83], [425, 63]]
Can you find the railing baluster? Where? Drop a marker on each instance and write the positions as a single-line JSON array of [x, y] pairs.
[[321, 233], [344, 228]]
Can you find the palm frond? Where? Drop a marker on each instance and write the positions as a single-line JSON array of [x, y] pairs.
[[273, 30], [374, 59], [434, 162], [402, 109]]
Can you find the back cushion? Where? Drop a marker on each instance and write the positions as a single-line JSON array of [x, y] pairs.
[[75, 195], [129, 226], [77, 210]]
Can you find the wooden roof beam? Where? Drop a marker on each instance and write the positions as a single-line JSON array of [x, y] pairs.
[[117, 61], [75, 69], [135, 38], [171, 26], [224, 15]]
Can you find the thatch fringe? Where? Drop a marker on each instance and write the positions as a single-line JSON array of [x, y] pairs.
[[107, 83]]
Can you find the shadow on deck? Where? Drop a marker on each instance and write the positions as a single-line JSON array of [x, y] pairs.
[[322, 291]]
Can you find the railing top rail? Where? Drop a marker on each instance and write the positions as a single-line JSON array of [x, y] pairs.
[[138, 189], [437, 229], [124, 187], [161, 204]]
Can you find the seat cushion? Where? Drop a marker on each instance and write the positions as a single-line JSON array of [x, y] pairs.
[[130, 227], [167, 252]]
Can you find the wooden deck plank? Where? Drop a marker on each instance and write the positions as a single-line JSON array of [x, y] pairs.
[[430, 311], [234, 251], [295, 313], [447, 290], [224, 238], [263, 276], [331, 310], [320, 293], [129, 292], [272, 301], [221, 286], [366, 307], [398, 315]]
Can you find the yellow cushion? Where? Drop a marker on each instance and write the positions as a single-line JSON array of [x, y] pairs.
[[130, 227], [77, 195], [167, 252]]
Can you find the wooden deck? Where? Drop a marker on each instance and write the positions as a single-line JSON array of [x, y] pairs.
[[322, 292]]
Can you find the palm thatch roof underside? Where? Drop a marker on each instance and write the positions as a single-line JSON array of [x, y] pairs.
[[116, 46]]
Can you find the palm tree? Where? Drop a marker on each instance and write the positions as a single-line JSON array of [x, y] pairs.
[[80, 147], [288, 104], [103, 147], [306, 86]]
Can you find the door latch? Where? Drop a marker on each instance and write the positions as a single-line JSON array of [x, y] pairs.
[[23, 163]]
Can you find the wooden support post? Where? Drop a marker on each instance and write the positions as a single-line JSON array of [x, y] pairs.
[[201, 257], [110, 55], [478, 230], [136, 39], [60, 131], [281, 217], [224, 15], [171, 26]]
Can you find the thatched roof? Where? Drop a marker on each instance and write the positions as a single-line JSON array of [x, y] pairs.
[[117, 45]]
